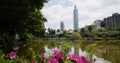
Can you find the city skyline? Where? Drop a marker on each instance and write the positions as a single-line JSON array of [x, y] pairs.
[[89, 11]]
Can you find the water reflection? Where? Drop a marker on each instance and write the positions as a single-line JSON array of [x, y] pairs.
[[103, 51], [72, 51], [83, 53]]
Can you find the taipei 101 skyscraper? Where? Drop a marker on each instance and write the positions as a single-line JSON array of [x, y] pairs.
[[75, 19]]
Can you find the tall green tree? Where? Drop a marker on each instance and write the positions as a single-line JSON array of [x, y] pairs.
[[19, 17]]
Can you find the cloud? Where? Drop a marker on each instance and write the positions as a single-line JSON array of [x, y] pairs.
[[89, 11], [57, 13], [107, 3]]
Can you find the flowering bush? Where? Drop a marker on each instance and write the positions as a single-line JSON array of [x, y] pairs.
[[56, 57]]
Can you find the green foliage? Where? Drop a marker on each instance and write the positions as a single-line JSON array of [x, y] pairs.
[[67, 62], [58, 30], [103, 34], [25, 36], [51, 32], [64, 46], [90, 49], [82, 30], [22, 17], [31, 48], [90, 28], [5, 59], [32, 53], [20, 14], [111, 34], [76, 36], [6, 43], [87, 34], [102, 24]]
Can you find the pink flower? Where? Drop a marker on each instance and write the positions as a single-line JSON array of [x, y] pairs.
[[58, 55], [83, 59], [42, 57], [74, 58], [92, 62], [53, 61], [78, 59], [33, 61], [52, 57], [12, 55]]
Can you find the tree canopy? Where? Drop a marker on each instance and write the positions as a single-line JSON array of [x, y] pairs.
[[20, 17], [90, 28], [102, 24], [76, 35]]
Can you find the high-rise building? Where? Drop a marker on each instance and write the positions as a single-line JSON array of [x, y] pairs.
[[75, 18], [62, 26], [112, 21]]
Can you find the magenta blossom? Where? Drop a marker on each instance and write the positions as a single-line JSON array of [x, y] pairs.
[[53, 61], [78, 59], [12, 55], [92, 62], [52, 57], [42, 57], [58, 55], [83, 59], [75, 58], [33, 61]]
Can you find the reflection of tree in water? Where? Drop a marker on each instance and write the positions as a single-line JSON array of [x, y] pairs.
[[113, 55], [76, 50], [110, 52]]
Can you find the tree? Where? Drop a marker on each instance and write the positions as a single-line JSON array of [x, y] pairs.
[[58, 30], [51, 32], [82, 30], [90, 28], [19, 17], [76, 36], [15, 15], [102, 24]]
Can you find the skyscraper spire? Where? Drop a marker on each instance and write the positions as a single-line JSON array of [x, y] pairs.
[[75, 19], [75, 7]]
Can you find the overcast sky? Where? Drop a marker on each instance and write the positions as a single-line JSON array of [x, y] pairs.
[[89, 10]]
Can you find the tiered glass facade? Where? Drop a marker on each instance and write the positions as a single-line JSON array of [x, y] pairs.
[[75, 18]]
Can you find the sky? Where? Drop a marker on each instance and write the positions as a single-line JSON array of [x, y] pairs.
[[89, 10]]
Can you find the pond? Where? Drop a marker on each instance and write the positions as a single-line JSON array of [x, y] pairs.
[[102, 52], [107, 51]]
